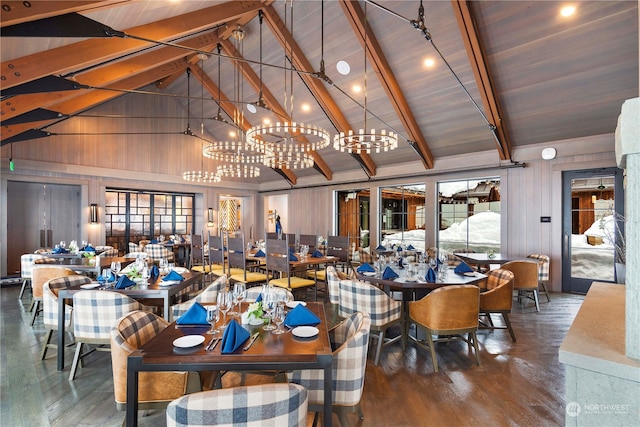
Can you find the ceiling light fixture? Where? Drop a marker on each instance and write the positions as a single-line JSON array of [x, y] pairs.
[[365, 141], [238, 171], [260, 102], [289, 160]]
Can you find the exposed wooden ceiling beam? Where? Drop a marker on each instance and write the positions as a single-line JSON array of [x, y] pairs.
[[355, 16], [316, 86], [17, 12], [92, 52], [478, 62]]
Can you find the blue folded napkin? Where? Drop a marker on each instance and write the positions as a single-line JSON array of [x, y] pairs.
[[259, 254], [292, 256], [124, 282], [259, 299], [366, 267], [234, 336], [154, 273], [112, 277], [462, 268], [399, 249], [301, 316], [410, 248], [381, 248], [431, 276], [174, 275], [400, 263], [89, 248], [389, 274], [154, 241], [196, 315], [316, 254], [59, 251], [170, 242], [438, 262]]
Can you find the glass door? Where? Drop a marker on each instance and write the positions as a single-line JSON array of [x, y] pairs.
[[592, 200]]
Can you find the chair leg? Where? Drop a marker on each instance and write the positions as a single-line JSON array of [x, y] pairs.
[[546, 293], [505, 316], [45, 344], [315, 419], [432, 348], [379, 348], [475, 345], [535, 299], [76, 359], [36, 310], [341, 411], [22, 289], [360, 413]]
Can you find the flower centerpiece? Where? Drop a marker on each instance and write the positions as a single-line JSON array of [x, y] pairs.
[[255, 310]]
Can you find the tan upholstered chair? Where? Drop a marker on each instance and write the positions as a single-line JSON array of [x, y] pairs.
[[525, 279], [544, 268], [449, 312], [498, 299], [39, 275], [155, 389]]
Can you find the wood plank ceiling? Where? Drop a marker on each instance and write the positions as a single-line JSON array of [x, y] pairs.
[[505, 74]]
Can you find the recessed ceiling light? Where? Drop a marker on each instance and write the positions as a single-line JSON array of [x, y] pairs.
[[567, 11], [232, 134], [305, 107], [252, 108], [356, 88], [343, 67], [266, 121], [429, 62]]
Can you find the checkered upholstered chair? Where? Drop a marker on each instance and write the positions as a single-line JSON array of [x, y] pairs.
[[384, 311], [39, 275], [95, 313], [525, 280], [498, 299], [208, 295], [544, 267], [350, 342], [134, 247], [157, 252], [254, 292], [155, 389], [259, 405], [109, 253], [27, 262], [448, 312], [50, 308]]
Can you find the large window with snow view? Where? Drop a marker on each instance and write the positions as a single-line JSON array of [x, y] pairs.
[[401, 216], [469, 215]]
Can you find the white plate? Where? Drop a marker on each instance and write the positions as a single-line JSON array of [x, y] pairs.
[[470, 274], [369, 273], [168, 282], [180, 270], [305, 331], [255, 322], [90, 285], [188, 341], [294, 304]]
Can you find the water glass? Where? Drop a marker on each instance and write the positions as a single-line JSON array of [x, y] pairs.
[[106, 274], [116, 266], [225, 300], [239, 293], [213, 315], [278, 318], [269, 302], [163, 264]]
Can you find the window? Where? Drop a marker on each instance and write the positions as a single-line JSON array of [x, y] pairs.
[[469, 215], [133, 216], [352, 216], [402, 215]]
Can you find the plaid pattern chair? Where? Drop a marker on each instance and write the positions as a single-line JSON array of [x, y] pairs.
[[259, 405], [155, 389], [109, 253], [95, 313], [498, 299], [448, 312], [384, 311], [134, 247], [544, 267], [157, 252], [252, 294], [350, 342], [50, 307], [208, 295], [26, 267], [39, 275]]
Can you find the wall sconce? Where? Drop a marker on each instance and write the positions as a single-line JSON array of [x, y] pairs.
[[210, 217], [93, 213], [593, 199]]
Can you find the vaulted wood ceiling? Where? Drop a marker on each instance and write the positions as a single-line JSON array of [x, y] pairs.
[[506, 73]]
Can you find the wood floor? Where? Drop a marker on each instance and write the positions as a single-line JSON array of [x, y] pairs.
[[518, 384]]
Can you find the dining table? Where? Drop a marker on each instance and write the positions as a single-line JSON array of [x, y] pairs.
[[152, 290], [283, 352], [480, 258], [82, 264]]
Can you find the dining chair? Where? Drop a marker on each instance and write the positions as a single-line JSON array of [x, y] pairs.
[[50, 307], [207, 295], [109, 253], [449, 312], [237, 259], [217, 259], [498, 299], [39, 275], [95, 313], [26, 267], [256, 405], [155, 389], [157, 252], [134, 247], [338, 246], [544, 267], [383, 310], [196, 255], [279, 267], [254, 292], [525, 281], [349, 342], [310, 240]]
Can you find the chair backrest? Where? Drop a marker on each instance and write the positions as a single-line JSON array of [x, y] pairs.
[[96, 311], [265, 404], [109, 253], [365, 256], [525, 273], [278, 256], [544, 266], [134, 247], [310, 240], [27, 264], [498, 277], [338, 246], [216, 250], [157, 252], [196, 253], [449, 308], [357, 296], [499, 295], [135, 255], [50, 299], [333, 285], [235, 252], [255, 291], [42, 273]]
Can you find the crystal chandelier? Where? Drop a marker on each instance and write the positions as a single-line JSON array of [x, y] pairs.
[[238, 170], [289, 160], [204, 177]]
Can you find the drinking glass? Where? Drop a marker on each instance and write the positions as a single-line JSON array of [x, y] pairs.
[[225, 300], [278, 318], [213, 315], [269, 302], [104, 278], [116, 266], [163, 265], [63, 244], [239, 293], [161, 238]]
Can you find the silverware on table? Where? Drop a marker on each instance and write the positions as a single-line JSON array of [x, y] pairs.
[[213, 343], [253, 338]]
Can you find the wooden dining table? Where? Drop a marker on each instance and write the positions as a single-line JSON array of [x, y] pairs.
[[480, 259], [153, 290], [269, 352], [94, 265]]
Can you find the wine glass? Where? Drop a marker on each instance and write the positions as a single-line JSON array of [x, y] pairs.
[[213, 315], [116, 266], [164, 264], [161, 238], [269, 302], [63, 244], [278, 318], [225, 300], [239, 293]]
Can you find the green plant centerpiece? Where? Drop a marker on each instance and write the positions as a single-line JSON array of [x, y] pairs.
[[255, 310]]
